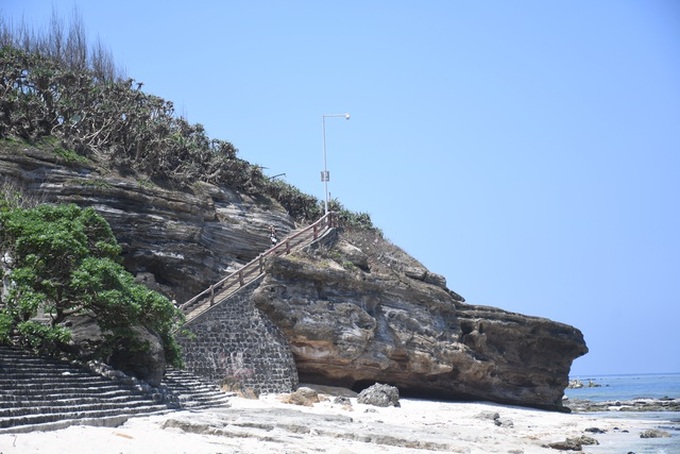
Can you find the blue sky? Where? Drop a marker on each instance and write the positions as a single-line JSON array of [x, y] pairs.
[[529, 151]]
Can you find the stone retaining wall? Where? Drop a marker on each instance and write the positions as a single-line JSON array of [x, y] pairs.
[[234, 344]]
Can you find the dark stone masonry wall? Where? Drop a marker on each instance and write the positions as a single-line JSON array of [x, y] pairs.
[[234, 344]]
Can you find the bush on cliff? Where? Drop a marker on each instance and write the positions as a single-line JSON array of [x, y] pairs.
[[63, 261], [56, 88]]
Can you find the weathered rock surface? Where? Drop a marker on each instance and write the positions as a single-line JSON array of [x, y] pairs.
[[380, 395], [573, 444], [178, 241], [655, 433], [145, 364], [352, 327], [302, 396], [356, 311]]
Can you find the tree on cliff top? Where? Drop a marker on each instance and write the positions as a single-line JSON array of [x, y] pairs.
[[54, 85], [63, 261]]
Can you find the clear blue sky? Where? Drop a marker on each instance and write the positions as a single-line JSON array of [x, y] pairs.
[[529, 151]]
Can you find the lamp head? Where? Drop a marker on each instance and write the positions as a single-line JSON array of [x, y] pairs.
[[346, 116]]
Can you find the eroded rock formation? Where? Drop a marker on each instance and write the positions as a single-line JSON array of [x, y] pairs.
[[356, 310], [392, 321], [179, 242]]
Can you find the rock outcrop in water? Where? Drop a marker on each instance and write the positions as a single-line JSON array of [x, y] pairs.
[[356, 310]]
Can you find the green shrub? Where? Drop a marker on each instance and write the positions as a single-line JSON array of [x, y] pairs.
[[65, 261]]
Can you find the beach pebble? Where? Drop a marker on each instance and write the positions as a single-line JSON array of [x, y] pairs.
[[504, 422], [342, 400]]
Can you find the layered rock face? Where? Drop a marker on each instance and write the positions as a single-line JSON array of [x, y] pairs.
[[356, 310], [361, 311], [177, 242]]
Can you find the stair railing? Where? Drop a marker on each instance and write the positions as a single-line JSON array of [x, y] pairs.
[[231, 283]]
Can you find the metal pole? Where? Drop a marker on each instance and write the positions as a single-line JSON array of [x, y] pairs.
[[325, 176], [325, 167]]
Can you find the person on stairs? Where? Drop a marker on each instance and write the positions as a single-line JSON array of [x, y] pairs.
[[272, 236]]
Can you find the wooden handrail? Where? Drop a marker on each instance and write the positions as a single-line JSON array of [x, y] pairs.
[[219, 291]]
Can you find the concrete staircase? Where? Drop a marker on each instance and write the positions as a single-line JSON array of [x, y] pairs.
[[46, 394], [190, 391]]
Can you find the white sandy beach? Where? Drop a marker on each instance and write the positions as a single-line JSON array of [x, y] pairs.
[[268, 425]]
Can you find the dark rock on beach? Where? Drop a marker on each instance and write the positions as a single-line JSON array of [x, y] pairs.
[[573, 444], [654, 433], [379, 395]]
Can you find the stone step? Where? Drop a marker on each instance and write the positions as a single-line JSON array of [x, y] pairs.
[[42, 384], [69, 400], [12, 358], [104, 392], [23, 395], [47, 394], [193, 391], [41, 418], [108, 421], [201, 401], [73, 408], [13, 368], [48, 379], [16, 368], [59, 397]]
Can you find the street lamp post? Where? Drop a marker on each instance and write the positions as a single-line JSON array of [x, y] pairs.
[[325, 175]]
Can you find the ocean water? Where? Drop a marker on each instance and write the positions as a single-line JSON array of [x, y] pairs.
[[629, 387]]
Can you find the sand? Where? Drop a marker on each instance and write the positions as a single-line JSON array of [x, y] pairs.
[[267, 425]]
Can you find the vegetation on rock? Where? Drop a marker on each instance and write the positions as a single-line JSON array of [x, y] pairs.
[[54, 86], [63, 261]]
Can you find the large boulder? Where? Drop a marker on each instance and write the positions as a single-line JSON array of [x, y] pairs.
[[379, 395], [144, 359]]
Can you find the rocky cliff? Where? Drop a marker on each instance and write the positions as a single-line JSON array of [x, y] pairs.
[[178, 242], [355, 310], [359, 310]]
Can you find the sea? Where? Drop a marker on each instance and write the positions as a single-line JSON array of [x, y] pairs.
[[630, 387]]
